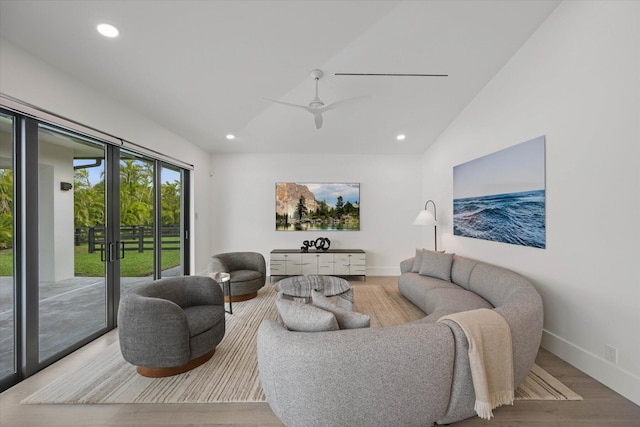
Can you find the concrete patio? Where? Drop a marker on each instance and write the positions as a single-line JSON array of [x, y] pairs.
[[70, 310]]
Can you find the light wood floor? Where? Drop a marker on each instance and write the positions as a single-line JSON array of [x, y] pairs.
[[600, 407]]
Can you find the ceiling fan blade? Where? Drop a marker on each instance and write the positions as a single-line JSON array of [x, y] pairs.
[[304, 107], [342, 103], [392, 74]]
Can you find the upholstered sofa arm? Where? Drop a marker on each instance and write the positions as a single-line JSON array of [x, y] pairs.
[[406, 265], [150, 325], [397, 375]]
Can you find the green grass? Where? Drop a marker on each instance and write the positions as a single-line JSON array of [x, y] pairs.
[[134, 264], [6, 262]]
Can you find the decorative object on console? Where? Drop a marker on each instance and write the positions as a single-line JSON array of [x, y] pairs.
[[501, 196], [322, 243], [425, 217], [317, 206]]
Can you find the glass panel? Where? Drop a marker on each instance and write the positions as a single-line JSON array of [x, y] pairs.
[[172, 225], [8, 364], [137, 237], [71, 221]]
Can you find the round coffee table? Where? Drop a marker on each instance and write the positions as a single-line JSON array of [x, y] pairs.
[[301, 286]]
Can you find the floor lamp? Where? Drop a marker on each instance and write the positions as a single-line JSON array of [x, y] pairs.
[[425, 217]]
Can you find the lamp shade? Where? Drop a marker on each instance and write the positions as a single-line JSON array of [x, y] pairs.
[[425, 217]]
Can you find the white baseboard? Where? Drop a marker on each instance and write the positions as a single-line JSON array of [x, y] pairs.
[[383, 271], [621, 381]]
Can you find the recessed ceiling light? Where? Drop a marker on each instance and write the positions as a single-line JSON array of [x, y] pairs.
[[230, 137], [108, 30], [400, 137]]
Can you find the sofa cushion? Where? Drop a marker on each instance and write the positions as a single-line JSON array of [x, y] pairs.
[[417, 261], [301, 317], [436, 264], [453, 300], [415, 287], [346, 319]]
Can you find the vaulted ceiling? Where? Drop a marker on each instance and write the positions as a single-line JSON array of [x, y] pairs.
[[202, 68]]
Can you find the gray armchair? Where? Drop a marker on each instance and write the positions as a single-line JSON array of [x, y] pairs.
[[248, 272], [169, 326]]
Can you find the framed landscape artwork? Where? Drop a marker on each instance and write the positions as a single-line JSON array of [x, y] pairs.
[[501, 196], [317, 206]]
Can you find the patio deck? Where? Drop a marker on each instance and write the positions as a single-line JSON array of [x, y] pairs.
[[70, 310]]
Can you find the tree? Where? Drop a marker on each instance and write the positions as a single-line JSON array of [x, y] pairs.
[[339, 208], [88, 200], [323, 209], [348, 208], [171, 203], [6, 191], [136, 192], [302, 208], [6, 208]]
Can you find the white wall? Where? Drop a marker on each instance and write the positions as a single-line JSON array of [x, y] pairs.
[[243, 203], [27, 78], [576, 81], [56, 227]]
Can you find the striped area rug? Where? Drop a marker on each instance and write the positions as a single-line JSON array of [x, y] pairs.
[[231, 375]]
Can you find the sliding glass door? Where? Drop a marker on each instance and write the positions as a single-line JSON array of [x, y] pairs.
[[172, 226], [151, 243], [8, 330], [137, 242], [82, 220], [72, 249]]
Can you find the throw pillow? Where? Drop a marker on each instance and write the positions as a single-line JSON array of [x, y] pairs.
[[301, 317], [436, 264], [346, 319], [417, 262]]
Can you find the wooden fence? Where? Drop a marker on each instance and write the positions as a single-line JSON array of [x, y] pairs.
[[134, 238]]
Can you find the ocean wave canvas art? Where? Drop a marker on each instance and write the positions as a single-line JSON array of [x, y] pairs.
[[501, 197]]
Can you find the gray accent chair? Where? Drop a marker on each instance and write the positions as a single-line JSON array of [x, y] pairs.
[[171, 325], [248, 272], [414, 374]]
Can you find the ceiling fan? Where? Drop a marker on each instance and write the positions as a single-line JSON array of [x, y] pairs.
[[392, 74], [316, 106]]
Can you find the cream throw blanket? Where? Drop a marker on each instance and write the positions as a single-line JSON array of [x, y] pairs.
[[490, 356]]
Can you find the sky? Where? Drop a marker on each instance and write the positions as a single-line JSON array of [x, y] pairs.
[[512, 170], [350, 192]]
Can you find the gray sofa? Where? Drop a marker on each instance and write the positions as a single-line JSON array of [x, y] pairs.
[[415, 374]]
